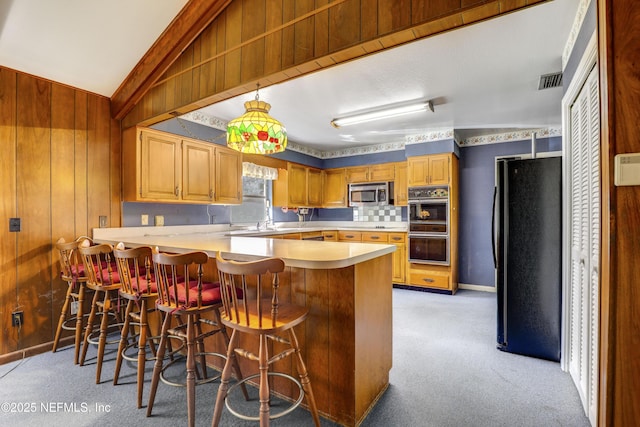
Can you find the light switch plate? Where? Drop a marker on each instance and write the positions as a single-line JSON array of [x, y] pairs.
[[144, 219], [159, 220], [627, 169]]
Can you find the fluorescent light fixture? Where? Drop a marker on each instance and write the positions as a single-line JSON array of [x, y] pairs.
[[384, 113]]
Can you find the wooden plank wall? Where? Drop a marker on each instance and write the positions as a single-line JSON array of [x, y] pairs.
[[60, 171], [619, 269], [271, 41]]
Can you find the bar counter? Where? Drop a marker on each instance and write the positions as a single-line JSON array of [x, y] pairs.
[[347, 338]]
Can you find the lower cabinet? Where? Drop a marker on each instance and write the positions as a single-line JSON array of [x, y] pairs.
[[399, 256], [433, 277]]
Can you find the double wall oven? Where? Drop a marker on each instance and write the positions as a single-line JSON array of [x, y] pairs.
[[429, 225]]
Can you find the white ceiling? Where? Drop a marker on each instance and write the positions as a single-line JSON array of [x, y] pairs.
[[482, 79], [87, 44]]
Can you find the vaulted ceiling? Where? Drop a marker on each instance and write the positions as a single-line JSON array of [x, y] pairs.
[[482, 78]]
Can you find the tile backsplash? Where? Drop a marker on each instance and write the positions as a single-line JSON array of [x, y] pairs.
[[378, 213]]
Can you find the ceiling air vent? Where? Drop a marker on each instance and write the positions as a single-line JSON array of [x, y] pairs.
[[548, 81]]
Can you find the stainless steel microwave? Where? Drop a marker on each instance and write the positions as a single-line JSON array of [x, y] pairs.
[[370, 194]]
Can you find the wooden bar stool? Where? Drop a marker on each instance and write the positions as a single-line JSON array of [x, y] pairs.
[[72, 272], [140, 290], [258, 312], [183, 293], [103, 279]]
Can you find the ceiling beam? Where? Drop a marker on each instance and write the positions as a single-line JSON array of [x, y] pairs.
[[194, 17]]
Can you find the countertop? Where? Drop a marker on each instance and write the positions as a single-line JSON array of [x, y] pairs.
[[233, 244]]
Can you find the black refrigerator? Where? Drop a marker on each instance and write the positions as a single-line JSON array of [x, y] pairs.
[[527, 248]]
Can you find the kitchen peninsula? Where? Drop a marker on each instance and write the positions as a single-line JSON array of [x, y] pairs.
[[347, 338]]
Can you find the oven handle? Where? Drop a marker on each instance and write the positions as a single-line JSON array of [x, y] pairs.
[[442, 235]]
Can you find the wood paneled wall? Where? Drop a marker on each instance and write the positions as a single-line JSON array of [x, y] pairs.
[[60, 171], [619, 42], [271, 41]]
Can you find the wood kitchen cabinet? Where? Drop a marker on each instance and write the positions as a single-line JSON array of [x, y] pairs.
[[349, 236], [400, 186], [228, 178], [375, 173], [330, 236], [334, 188], [399, 256], [443, 278], [429, 170], [171, 168], [298, 186]]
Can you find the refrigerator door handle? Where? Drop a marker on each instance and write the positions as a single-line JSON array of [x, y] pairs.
[[493, 229]]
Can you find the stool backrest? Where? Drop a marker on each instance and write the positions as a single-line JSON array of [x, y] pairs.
[[71, 268], [134, 269], [99, 266], [250, 291], [179, 278]]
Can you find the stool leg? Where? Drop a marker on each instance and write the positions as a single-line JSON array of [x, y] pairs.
[[263, 368], [155, 378], [79, 321], [142, 347], [224, 380], [102, 339], [234, 357], [304, 379], [124, 339], [89, 328], [191, 372], [63, 316]]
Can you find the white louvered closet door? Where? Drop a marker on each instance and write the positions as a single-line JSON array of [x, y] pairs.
[[585, 243]]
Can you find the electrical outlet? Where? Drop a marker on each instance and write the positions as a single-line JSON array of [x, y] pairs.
[[159, 220], [17, 318], [74, 308], [144, 219], [14, 225], [103, 221]]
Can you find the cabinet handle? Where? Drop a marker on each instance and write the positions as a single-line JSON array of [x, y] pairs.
[[375, 237], [395, 238], [426, 279], [211, 193], [349, 236], [177, 191]]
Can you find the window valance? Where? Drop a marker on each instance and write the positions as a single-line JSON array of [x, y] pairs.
[[258, 171]]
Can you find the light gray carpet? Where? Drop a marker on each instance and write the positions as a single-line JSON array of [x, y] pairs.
[[446, 372]]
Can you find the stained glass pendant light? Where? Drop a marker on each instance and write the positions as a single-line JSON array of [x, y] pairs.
[[255, 131]]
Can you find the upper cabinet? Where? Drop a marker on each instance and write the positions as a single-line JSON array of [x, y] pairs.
[[298, 186], [334, 189], [228, 176], [170, 168], [374, 173], [400, 187], [429, 170]]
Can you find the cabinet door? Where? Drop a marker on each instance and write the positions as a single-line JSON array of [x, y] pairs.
[[297, 185], [160, 167], [418, 170], [400, 185], [228, 176], [399, 257], [381, 173], [335, 188], [439, 169], [314, 187], [399, 264], [358, 174], [198, 166]]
